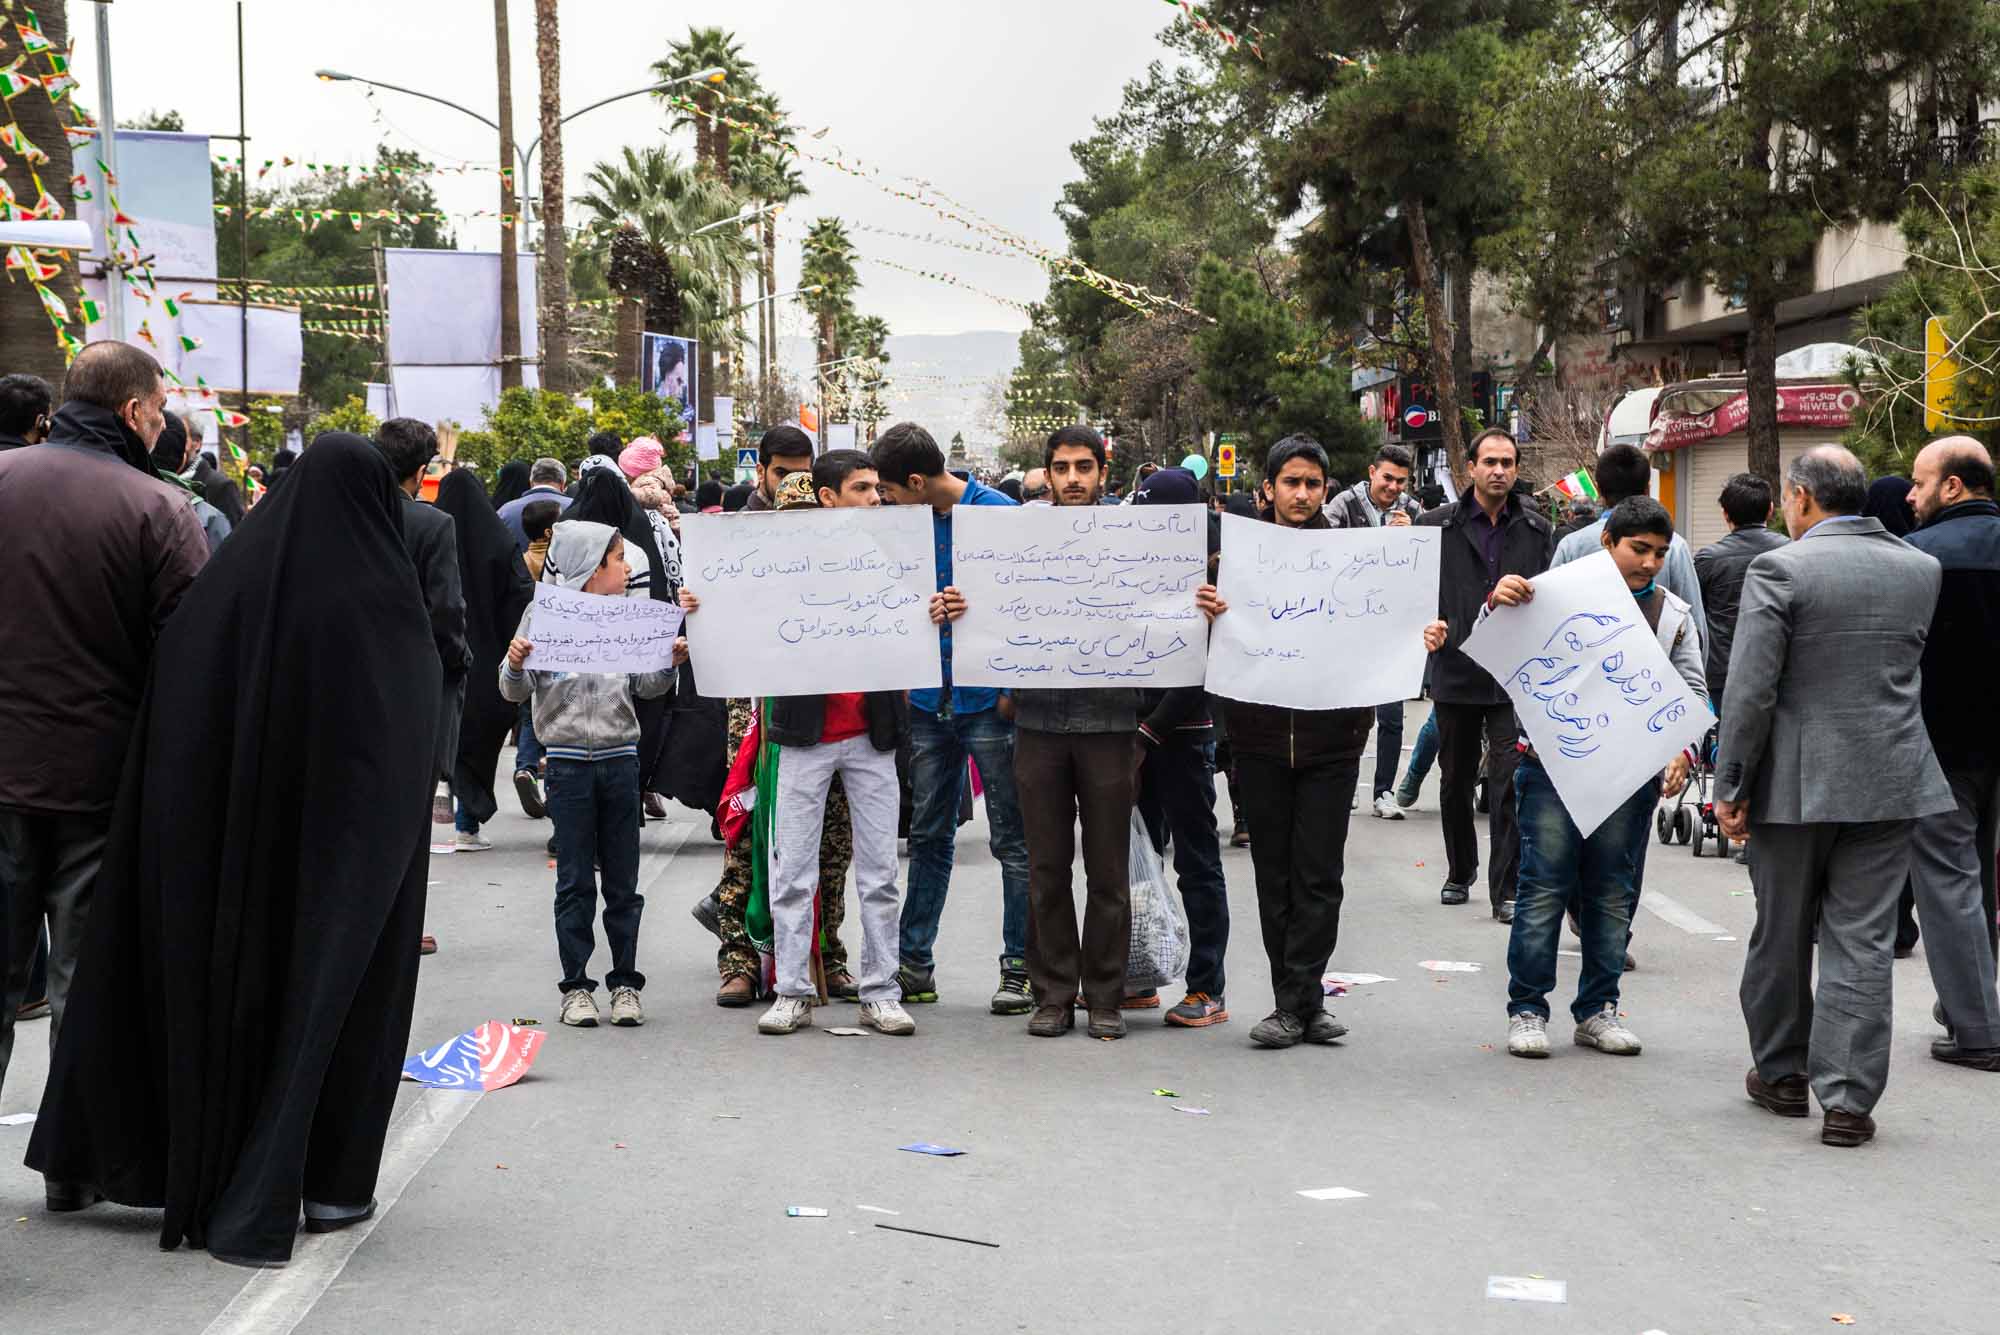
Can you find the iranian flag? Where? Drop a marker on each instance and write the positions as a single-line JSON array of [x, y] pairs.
[[13, 82], [1577, 486]]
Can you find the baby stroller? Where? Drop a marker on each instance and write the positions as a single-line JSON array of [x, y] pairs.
[[1691, 818]]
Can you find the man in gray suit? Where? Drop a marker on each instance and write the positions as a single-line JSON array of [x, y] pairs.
[[1825, 766]]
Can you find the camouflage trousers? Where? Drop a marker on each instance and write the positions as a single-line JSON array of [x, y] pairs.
[[737, 957]]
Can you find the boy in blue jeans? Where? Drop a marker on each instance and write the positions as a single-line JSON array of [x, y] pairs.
[[587, 724], [1596, 877]]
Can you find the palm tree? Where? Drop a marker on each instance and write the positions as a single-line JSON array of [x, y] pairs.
[[27, 343], [708, 48], [867, 336], [829, 264], [644, 209], [769, 178]]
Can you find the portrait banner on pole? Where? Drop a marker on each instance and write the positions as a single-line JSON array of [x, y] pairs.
[[1079, 596], [1322, 618], [807, 602], [1596, 694]]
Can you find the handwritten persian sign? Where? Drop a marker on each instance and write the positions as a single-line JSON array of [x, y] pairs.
[[1322, 618], [809, 601], [1591, 685], [1073, 596], [593, 632]]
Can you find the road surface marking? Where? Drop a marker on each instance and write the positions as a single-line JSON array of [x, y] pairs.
[[1679, 914]]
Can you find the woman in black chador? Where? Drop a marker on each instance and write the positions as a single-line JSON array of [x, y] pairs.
[[238, 1021]]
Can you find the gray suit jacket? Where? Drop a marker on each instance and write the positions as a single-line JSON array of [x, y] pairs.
[[1822, 719], [431, 536]]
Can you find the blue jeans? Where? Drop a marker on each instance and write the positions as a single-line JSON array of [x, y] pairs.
[[938, 748], [1177, 796], [528, 750], [595, 808], [463, 823], [1423, 754], [1559, 867], [1388, 747]]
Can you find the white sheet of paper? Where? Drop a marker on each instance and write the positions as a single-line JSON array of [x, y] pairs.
[[1079, 596], [1322, 618], [595, 632], [805, 602], [1594, 690]]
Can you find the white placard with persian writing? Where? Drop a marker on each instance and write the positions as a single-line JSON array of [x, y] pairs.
[[573, 631], [1322, 618], [1594, 690], [1078, 596], [806, 602]]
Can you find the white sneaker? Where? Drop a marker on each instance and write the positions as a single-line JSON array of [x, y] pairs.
[[626, 1012], [1527, 1036], [888, 1017], [1386, 808], [787, 1015], [1607, 1033], [471, 841], [579, 1008]]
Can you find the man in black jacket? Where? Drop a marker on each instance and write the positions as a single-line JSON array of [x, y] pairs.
[[1721, 566], [431, 536], [24, 411], [1491, 534], [1298, 769], [1177, 797], [855, 736], [1952, 862]]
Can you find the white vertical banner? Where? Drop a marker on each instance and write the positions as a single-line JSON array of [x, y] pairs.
[[725, 418], [1078, 596], [840, 436], [706, 446], [1595, 692]]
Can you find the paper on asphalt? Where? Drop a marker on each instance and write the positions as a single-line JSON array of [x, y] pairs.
[[1594, 691], [1322, 618], [807, 602], [1079, 596], [575, 631]]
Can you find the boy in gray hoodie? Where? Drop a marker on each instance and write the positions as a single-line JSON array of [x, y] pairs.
[[589, 728]]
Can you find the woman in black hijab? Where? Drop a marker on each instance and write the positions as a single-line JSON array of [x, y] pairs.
[[496, 586], [1889, 501], [237, 1025], [512, 483]]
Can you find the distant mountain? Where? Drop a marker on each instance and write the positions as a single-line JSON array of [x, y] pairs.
[[938, 380]]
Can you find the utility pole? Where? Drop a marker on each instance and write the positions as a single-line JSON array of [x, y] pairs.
[[554, 324], [510, 282], [107, 147]]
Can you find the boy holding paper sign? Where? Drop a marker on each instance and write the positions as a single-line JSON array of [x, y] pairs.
[[1599, 873], [588, 724]]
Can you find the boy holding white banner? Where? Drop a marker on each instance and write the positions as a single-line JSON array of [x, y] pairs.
[[1595, 704], [588, 723]]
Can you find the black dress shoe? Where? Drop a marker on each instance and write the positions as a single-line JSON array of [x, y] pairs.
[[1786, 1097], [331, 1218], [1505, 912], [1454, 894], [1845, 1130], [708, 912], [69, 1197], [1979, 1059]]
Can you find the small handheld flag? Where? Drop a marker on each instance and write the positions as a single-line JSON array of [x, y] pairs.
[[1578, 486]]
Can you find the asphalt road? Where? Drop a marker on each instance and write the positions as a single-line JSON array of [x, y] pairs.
[[639, 1179]]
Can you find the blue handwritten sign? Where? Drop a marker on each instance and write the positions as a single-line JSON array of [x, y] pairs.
[[1322, 618], [805, 602], [1079, 596], [1593, 689]]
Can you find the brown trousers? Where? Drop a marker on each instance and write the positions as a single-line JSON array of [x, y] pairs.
[[1062, 777]]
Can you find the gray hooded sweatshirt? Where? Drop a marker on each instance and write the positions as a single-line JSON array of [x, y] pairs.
[[581, 715]]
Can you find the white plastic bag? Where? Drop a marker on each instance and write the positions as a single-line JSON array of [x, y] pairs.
[[1159, 938]]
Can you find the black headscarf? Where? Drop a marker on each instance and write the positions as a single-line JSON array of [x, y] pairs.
[[242, 1003], [218, 490], [603, 497], [1241, 504], [495, 583], [736, 497], [512, 483], [1889, 501]]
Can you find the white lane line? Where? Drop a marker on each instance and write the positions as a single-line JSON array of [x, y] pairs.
[[653, 866], [274, 1302], [1679, 914]]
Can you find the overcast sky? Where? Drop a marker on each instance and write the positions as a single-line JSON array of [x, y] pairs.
[[983, 100]]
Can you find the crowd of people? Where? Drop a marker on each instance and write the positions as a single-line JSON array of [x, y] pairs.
[[228, 724]]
